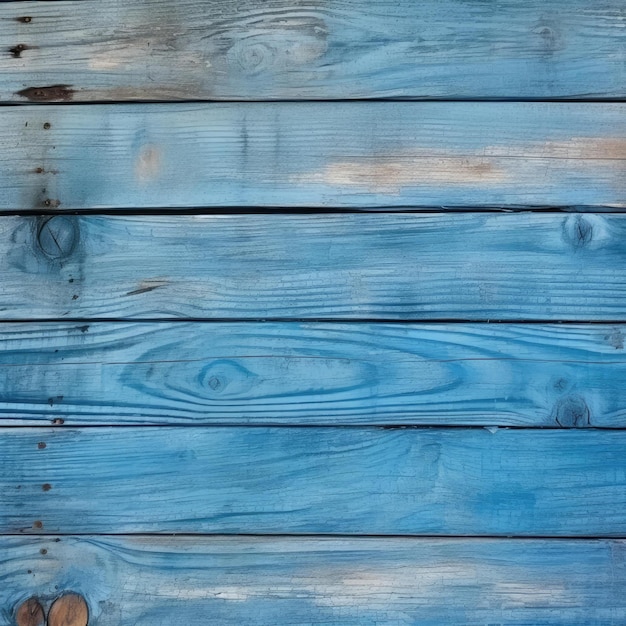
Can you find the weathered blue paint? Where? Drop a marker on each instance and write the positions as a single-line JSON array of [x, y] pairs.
[[280, 417], [312, 49], [307, 374], [247, 581], [346, 154], [359, 266], [314, 480]]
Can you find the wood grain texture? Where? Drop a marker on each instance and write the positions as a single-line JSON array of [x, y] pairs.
[[159, 581], [358, 266], [69, 609], [314, 481], [303, 49], [299, 373], [345, 154], [30, 613]]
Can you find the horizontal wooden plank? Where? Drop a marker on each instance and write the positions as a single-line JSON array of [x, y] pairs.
[[297, 373], [299, 49], [314, 480], [345, 154], [160, 581], [358, 266]]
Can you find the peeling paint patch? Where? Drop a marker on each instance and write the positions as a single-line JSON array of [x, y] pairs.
[[488, 165], [583, 148], [117, 54], [392, 174], [148, 164]]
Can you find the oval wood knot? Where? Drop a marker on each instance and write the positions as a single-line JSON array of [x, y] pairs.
[[57, 236], [69, 610], [52, 93], [579, 231], [30, 613], [572, 411]]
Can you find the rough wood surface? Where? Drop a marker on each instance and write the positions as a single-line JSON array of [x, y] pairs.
[[232, 424], [306, 373], [485, 266], [302, 49], [371, 481], [330, 154], [247, 581]]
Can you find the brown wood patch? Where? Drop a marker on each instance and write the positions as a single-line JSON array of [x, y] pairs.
[[69, 610], [30, 613]]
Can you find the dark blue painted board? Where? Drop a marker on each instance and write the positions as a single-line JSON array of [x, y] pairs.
[[247, 581], [314, 480], [330, 154], [311, 49], [307, 373], [521, 266]]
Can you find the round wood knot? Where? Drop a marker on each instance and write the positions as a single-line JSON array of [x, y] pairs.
[[215, 383], [550, 38], [57, 236], [30, 613], [572, 412], [224, 374], [253, 56], [69, 610]]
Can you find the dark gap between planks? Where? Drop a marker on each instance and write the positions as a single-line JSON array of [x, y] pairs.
[[279, 210], [604, 539], [567, 99]]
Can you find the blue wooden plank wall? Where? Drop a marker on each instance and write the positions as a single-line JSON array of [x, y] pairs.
[[312, 312]]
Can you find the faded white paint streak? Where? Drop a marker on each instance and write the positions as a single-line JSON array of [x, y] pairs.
[[148, 164]]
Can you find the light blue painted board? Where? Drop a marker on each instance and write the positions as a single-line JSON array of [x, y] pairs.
[[312, 49], [314, 480], [482, 266], [299, 373], [162, 581], [343, 154]]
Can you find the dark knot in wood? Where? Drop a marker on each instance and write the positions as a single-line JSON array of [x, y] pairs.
[[16, 51], [572, 412], [57, 236], [53, 93], [578, 231]]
